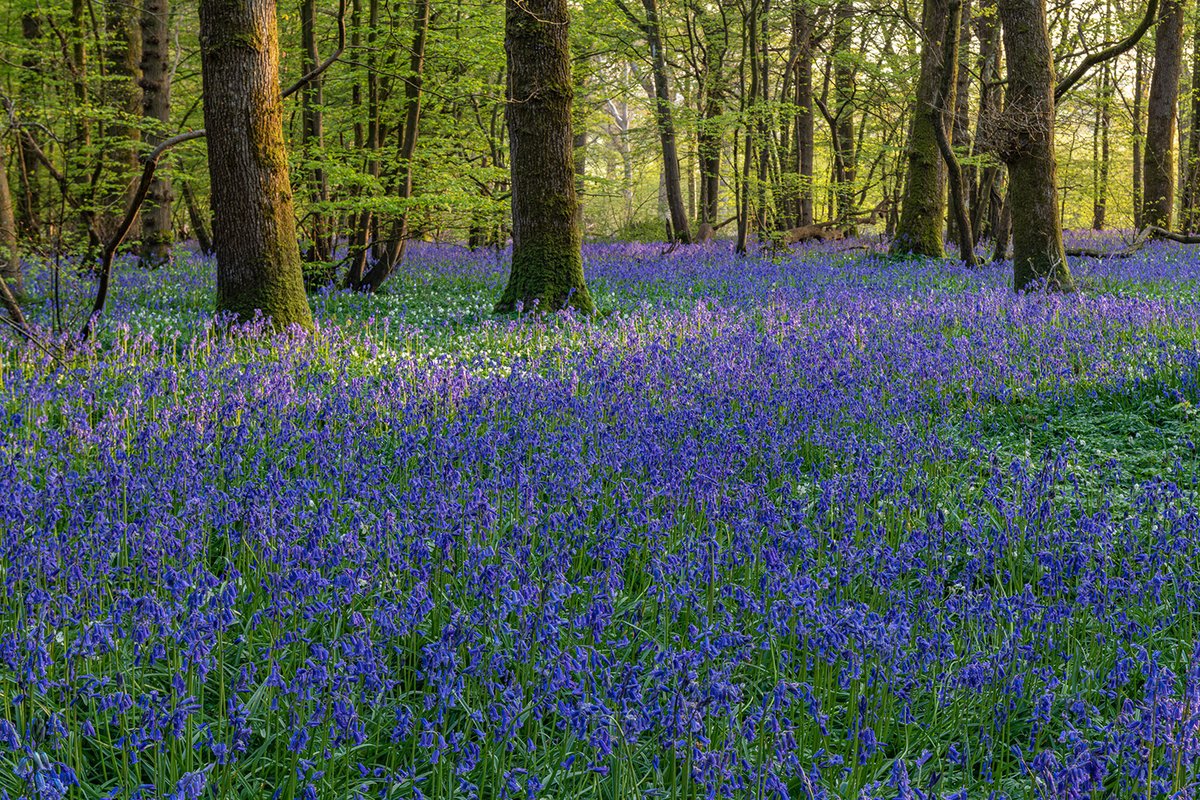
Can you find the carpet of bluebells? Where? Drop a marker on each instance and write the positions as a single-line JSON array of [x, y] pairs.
[[814, 525]]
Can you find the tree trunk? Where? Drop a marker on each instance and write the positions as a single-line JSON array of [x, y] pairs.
[[1028, 149], [1102, 149], [1139, 137], [958, 191], [123, 96], [156, 109], [846, 168], [763, 101], [1191, 201], [413, 87], [923, 208], [29, 208], [708, 135], [10, 252], [984, 212], [547, 258], [802, 29], [1158, 203], [258, 255], [312, 131], [666, 123], [199, 225]]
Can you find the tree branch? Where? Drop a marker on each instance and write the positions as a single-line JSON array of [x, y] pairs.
[[327, 63], [1107, 54], [149, 164]]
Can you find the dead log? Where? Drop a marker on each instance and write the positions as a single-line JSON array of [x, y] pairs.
[[820, 232]]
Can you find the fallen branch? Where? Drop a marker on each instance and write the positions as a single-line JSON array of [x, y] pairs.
[[1182, 238], [1129, 250]]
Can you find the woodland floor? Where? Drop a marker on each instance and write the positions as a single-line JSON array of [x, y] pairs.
[[816, 524]]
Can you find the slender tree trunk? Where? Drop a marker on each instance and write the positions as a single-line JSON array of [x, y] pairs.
[[985, 212], [1191, 204], [156, 109], [312, 131], [123, 95], [749, 107], [924, 204], [1162, 116], [1139, 135], [709, 134], [10, 252], [413, 88], [805, 122], [254, 224], [29, 208], [581, 72], [666, 123], [846, 166], [1028, 149], [764, 126], [958, 191], [547, 258], [196, 217], [1103, 149]]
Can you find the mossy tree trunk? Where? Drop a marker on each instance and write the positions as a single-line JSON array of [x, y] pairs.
[[1158, 203], [258, 255], [156, 109], [547, 258], [923, 209], [1027, 146]]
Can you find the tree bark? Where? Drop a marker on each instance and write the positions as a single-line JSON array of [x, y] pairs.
[[258, 255], [10, 252], [199, 224], [943, 104], [123, 95], [709, 133], [156, 109], [1158, 203], [1027, 146], [985, 211], [845, 162], [547, 258], [1191, 200], [923, 208], [805, 122]]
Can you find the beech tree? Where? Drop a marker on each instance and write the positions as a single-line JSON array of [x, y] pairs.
[[1025, 141], [254, 224], [547, 257], [1158, 209]]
